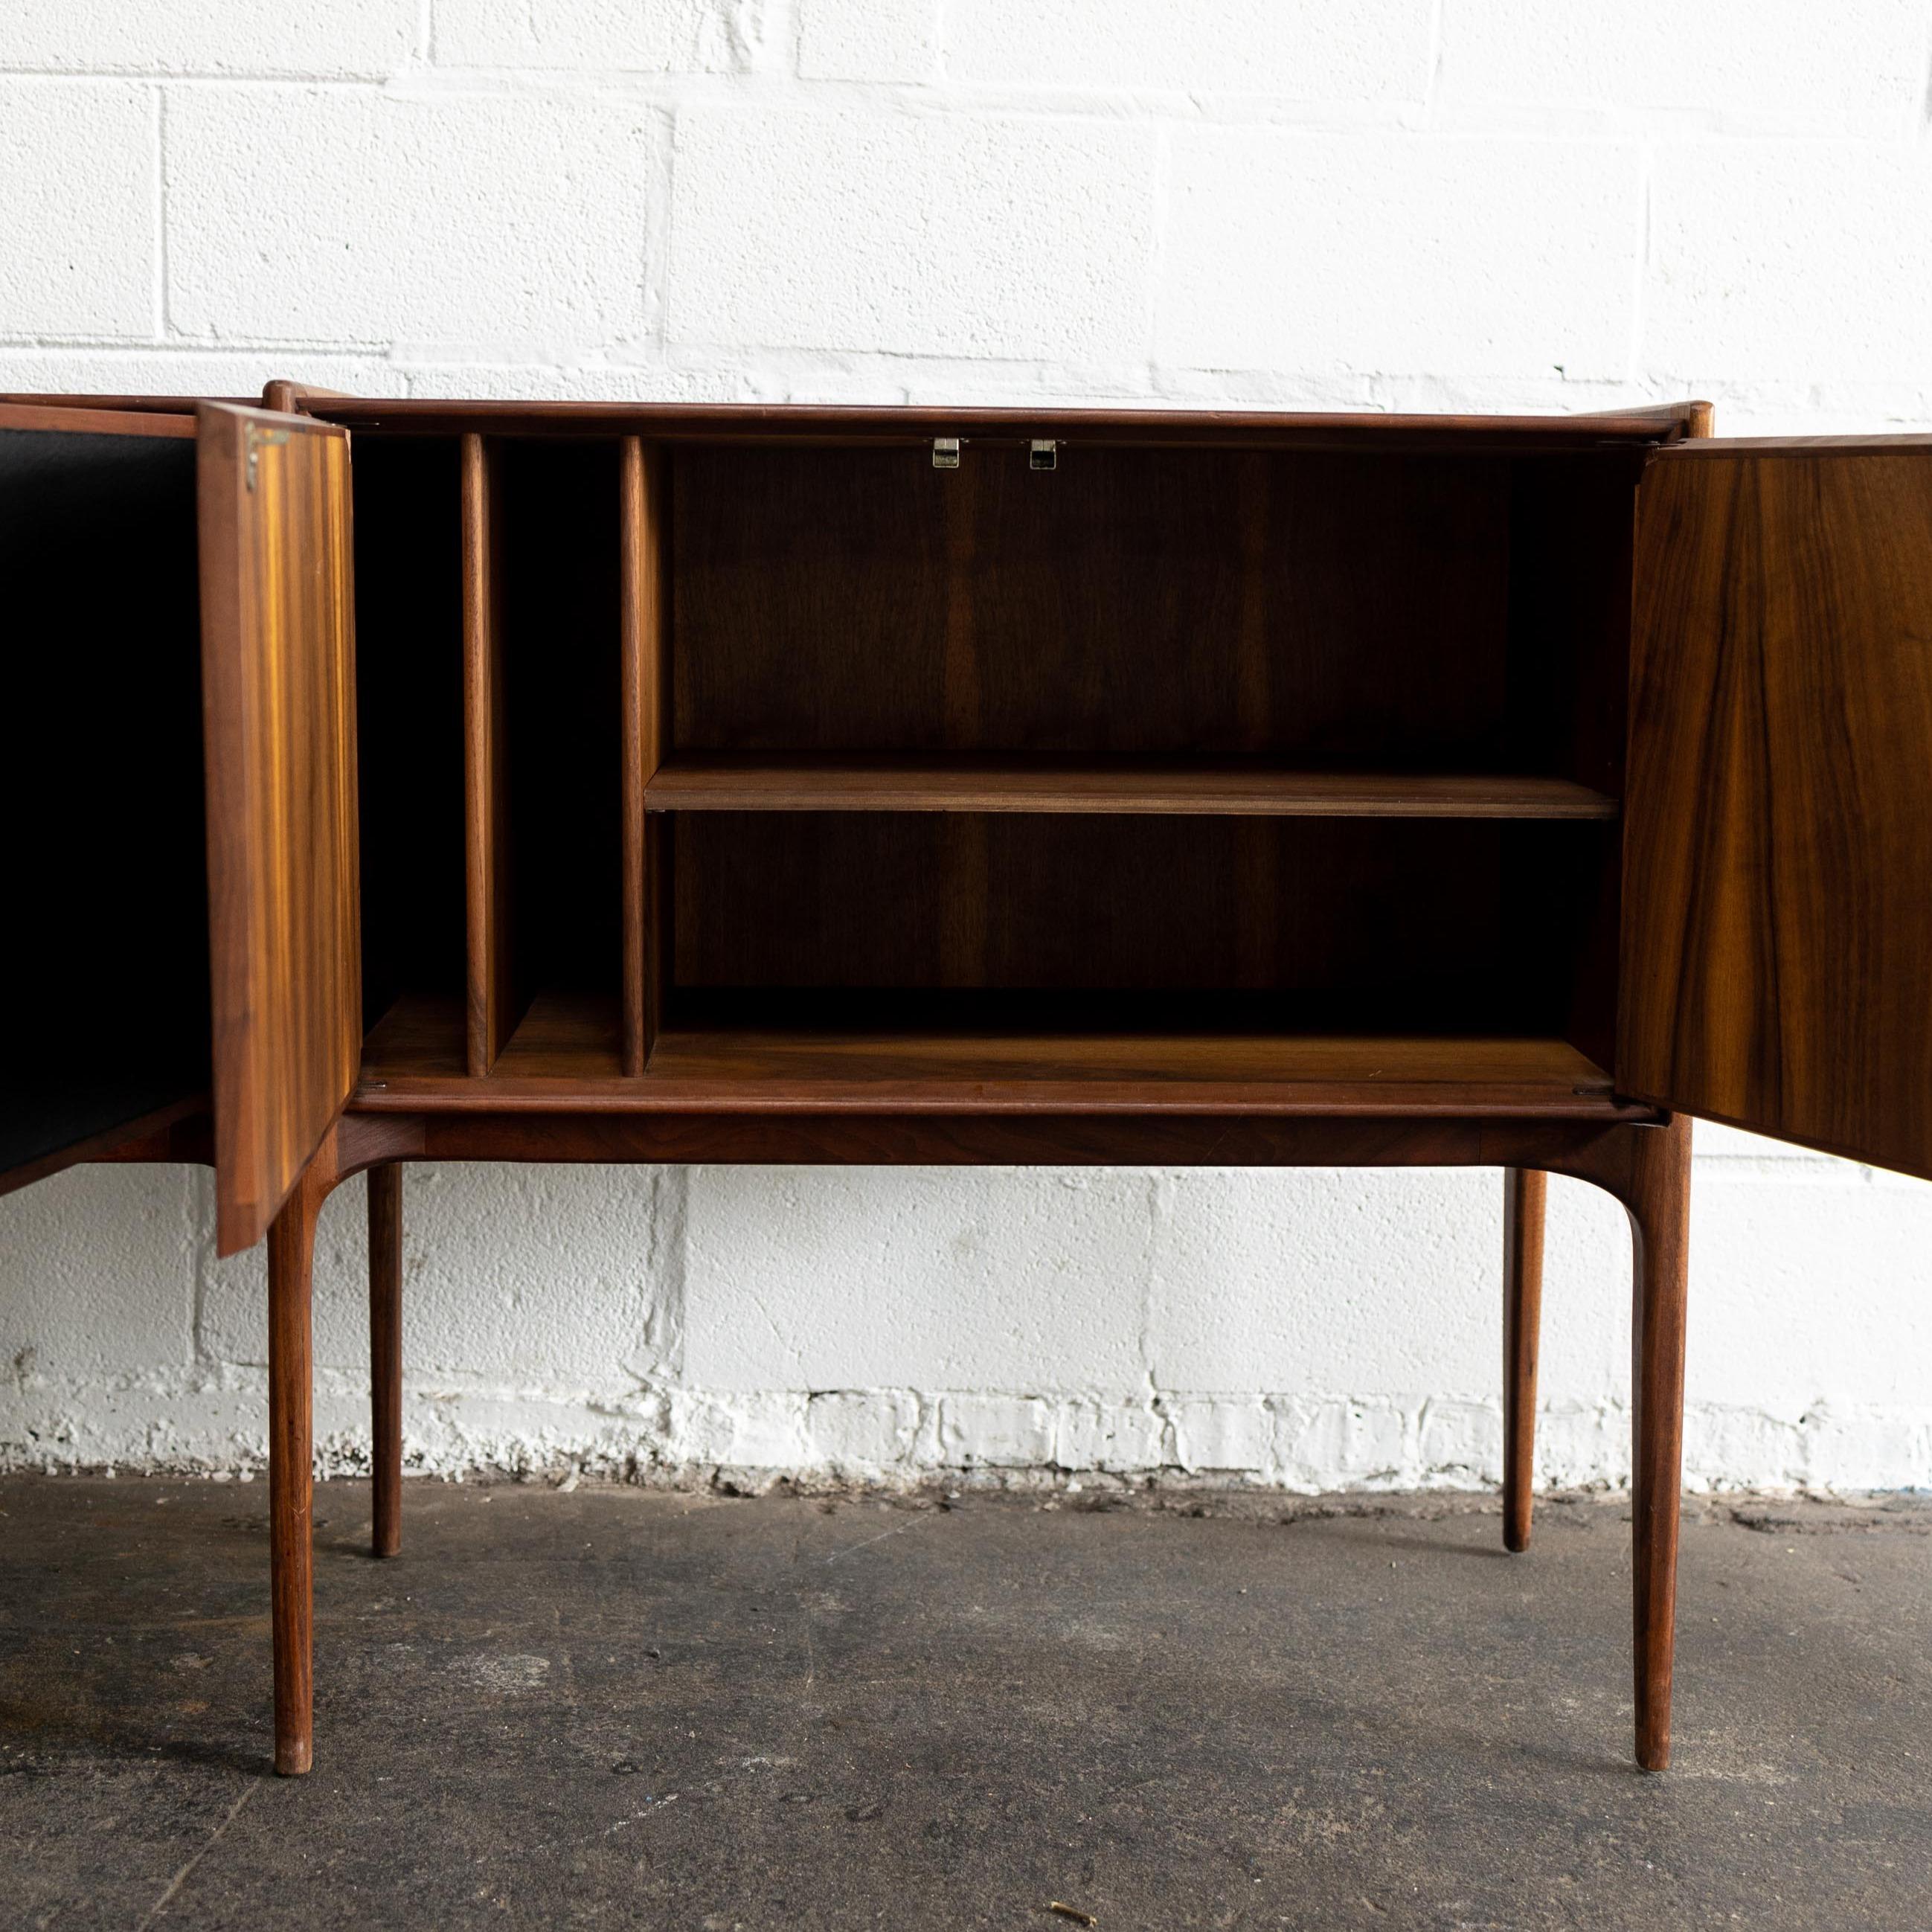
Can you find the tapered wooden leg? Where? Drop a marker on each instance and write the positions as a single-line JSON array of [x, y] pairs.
[[1659, 1201], [385, 1356], [1524, 1191], [291, 1255]]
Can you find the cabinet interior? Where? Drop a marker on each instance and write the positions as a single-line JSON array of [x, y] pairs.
[[107, 963], [409, 718], [558, 643], [1170, 746]]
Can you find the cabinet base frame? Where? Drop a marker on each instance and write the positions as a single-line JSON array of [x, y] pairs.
[[1645, 1165]]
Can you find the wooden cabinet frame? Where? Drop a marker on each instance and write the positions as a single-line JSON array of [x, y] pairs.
[[666, 784]]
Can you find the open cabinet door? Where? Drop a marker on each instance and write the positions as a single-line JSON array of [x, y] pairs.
[[1777, 853], [278, 697]]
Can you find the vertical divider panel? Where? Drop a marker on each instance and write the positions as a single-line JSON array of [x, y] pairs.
[[644, 592], [492, 1007]]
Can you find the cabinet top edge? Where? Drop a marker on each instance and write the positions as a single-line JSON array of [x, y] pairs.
[[758, 421]]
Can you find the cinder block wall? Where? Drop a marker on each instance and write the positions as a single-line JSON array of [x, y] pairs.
[[1399, 204]]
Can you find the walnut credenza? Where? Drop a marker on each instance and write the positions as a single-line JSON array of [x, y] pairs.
[[570, 782]]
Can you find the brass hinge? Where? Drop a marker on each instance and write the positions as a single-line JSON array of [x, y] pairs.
[[252, 439]]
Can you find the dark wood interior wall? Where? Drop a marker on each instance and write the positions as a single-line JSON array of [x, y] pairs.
[[545, 727], [560, 647], [1210, 602], [1560, 891], [1572, 523], [409, 670], [105, 967], [1399, 610], [1572, 533], [1394, 923]]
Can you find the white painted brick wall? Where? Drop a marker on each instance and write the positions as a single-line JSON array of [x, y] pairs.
[[1263, 256], [302, 183], [90, 149], [1029, 237], [1369, 51], [1409, 204]]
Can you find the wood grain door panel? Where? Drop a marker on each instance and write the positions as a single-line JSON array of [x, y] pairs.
[[1777, 927], [278, 695]]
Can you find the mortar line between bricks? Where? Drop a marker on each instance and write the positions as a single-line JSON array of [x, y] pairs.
[[1640, 288], [660, 240], [776, 45], [162, 76], [200, 1251], [769, 90], [1431, 82], [157, 303]]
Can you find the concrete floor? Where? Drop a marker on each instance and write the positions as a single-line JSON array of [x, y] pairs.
[[637, 1709]]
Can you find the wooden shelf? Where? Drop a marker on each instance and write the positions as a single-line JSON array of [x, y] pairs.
[[564, 1057], [1266, 1070], [712, 781]]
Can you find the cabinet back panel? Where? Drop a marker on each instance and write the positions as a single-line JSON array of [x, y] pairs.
[[1326, 608], [938, 901], [408, 672], [106, 969], [1572, 526]]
